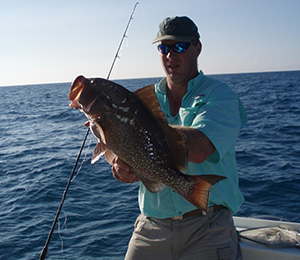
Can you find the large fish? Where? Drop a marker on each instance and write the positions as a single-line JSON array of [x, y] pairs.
[[132, 126]]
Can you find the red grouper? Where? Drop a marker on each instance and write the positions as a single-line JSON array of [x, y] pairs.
[[131, 126]]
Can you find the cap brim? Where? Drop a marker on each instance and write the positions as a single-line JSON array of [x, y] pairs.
[[180, 38]]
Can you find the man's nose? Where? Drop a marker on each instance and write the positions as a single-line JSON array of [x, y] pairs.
[[171, 53]]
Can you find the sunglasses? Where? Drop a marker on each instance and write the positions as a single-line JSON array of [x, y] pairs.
[[177, 47]]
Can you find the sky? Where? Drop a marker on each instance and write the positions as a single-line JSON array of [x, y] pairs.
[[53, 41]]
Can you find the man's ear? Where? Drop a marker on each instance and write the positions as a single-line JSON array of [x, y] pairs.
[[199, 48]]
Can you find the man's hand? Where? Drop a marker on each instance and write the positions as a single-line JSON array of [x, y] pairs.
[[122, 172]]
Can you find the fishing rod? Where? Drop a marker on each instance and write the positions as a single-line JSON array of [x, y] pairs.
[[45, 248]]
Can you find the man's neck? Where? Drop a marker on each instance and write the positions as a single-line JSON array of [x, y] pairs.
[[175, 93]]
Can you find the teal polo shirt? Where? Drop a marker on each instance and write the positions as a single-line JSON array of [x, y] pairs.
[[212, 107]]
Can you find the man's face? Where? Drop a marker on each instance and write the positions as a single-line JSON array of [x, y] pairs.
[[180, 67]]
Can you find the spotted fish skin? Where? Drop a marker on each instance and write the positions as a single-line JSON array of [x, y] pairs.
[[126, 126]]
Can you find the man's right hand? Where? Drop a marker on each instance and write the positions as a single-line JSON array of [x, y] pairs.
[[122, 172]]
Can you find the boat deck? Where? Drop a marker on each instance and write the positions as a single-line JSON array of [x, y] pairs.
[[255, 251]]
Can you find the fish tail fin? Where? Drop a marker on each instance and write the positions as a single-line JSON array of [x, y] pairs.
[[199, 194]]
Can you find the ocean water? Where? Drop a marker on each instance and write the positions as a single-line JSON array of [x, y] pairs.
[[41, 137]]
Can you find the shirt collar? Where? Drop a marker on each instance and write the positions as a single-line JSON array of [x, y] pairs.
[[195, 81], [162, 85]]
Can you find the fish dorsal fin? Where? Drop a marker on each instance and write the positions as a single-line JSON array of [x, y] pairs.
[[175, 138], [148, 97]]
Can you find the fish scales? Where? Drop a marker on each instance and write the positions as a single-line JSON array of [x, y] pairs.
[[131, 126]]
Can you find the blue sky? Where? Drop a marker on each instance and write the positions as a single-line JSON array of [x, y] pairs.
[[50, 41]]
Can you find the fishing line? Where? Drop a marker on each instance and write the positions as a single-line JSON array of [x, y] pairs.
[[146, 20], [64, 226], [83, 160], [45, 248], [58, 231]]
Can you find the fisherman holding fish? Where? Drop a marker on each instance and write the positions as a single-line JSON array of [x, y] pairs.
[[210, 115], [177, 138]]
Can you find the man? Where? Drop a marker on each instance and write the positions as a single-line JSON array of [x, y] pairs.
[[210, 115]]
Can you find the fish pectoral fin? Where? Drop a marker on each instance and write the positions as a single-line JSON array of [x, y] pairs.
[[152, 186], [99, 150], [109, 156]]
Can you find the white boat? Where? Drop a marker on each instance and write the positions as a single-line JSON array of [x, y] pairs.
[[258, 250]]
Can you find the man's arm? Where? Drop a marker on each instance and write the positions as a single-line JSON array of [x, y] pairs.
[[198, 145]]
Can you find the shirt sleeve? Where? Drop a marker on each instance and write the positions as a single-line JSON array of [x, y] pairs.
[[219, 119]]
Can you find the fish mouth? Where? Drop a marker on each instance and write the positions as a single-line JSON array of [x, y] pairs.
[[75, 92], [83, 96]]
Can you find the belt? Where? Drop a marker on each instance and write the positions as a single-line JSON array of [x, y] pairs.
[[197, 213]]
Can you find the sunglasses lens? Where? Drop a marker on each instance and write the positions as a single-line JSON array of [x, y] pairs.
[[177, 47], [180, 47], [163, 48]]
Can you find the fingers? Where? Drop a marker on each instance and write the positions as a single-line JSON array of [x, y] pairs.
[[87, 124], [122, 172]]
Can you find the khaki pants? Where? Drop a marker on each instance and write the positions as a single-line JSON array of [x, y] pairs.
[[208, 237]]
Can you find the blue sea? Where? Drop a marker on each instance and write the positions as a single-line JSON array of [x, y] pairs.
[[41, 137]]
